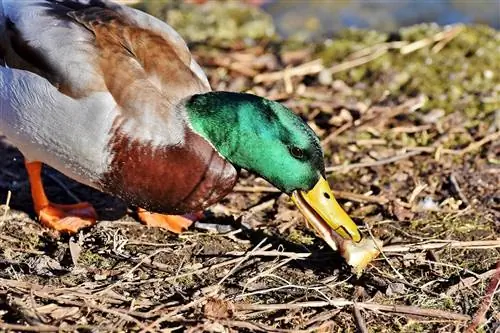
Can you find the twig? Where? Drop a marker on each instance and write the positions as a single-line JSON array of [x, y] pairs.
[[438, 244], [383, 254], [256, 189], [339, 194], [357, 62], [469, 282], [471, 147], [474, 145], [266, 272], [145, 260], [45, 328], [312, 67], [486, 301], [360, 321], [451, 34], [258, 327], [6, 208], [340, 302], [453, 180], [272, 253], [322, 316], [359, 197], [440, 36], [392, 159], [242, 260], [416, 311], [335, 133]]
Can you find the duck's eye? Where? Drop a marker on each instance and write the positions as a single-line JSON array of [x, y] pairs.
[[297, 152]]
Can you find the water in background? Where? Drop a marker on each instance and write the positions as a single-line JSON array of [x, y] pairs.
[[317, 18]]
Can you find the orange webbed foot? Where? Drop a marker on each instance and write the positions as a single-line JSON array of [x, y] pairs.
[[174, 223], [68, 218], [62, 218]]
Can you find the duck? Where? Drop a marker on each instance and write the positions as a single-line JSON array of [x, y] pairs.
[[112, 98]]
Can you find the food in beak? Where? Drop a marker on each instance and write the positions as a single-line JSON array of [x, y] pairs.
[[332, 223]]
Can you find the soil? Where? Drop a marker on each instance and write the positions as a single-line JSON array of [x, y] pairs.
[[253, 264]]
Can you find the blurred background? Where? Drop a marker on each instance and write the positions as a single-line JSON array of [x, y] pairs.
[[317, 19], [324, 17]]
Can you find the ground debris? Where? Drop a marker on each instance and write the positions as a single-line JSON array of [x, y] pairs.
[[411, 148]]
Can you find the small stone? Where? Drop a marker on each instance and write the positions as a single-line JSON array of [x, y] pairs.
[[325, 77], [488, 74], [395, 289], [433, 116]]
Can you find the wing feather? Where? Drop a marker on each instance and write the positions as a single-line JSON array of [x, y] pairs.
[[83, 47]]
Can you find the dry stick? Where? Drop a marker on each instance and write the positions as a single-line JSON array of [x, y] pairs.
[[442, 35], [358, 58], [7, 207], [38, 328], [471, 147], [322, 316], [359, 197], [392, 159], [469, 282], [124, 315], [451, 34], [256, 189], [357, 62], [144, 260], [272, 253], [383, 254], [258, 327], [312, 67], [243, 259], [330, 137], [486, 301], [340, 302], [360, 321], [453, 180], [474, 145], [265, 273], [339, 194], [168, 316], [163, 267], [438, 244]]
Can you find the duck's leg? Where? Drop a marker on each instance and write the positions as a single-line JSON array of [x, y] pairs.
[[63, 218], [173, 223]]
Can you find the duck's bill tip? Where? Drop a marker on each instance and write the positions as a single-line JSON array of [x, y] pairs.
[[325, 214]]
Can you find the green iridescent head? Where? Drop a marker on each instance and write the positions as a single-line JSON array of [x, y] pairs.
[[261, 136], [268, 139]]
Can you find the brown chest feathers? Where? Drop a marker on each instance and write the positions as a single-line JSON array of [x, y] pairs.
[[172, 180]]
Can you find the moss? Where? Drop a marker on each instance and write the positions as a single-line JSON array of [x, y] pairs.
[[297, 236], [214, 21], [90, 259], [461, 76]]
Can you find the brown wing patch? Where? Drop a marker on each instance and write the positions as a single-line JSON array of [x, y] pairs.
[[136, 60]]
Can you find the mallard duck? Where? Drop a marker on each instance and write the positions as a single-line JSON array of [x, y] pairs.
[[112, 97]]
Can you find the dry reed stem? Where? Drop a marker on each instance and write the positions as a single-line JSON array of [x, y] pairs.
[[439, 244], [486, 301], [340, 302]]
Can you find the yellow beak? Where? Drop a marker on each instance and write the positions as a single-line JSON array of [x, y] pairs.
[[324, 213]]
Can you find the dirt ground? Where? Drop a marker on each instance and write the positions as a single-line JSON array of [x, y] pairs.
[[414, 165]]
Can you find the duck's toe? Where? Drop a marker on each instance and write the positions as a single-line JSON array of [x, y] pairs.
[[174, 223], [68, 218]]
